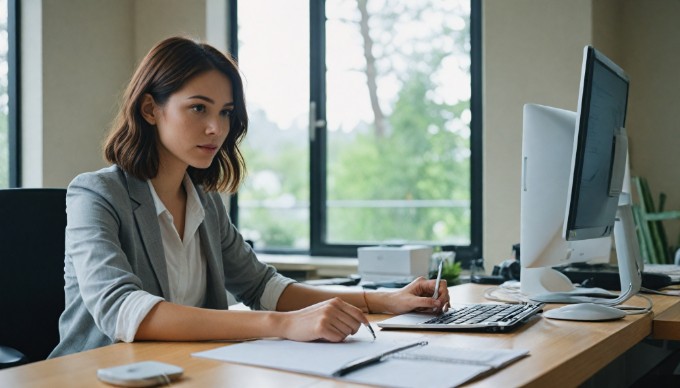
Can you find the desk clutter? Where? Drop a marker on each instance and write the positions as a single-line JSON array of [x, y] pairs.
[[391, 361], [554, 347]]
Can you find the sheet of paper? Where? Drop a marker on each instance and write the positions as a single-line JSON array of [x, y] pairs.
[[494, 358], [319, 358], [423, 366], [416, 374], [435, 366]]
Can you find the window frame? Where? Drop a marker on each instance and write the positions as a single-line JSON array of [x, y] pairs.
[[14, 91], [317, 142]]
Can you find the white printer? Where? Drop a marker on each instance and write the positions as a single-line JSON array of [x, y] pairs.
[[394, 263]]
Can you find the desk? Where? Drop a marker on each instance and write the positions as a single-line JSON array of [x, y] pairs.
[[667, 324], [562, 353]]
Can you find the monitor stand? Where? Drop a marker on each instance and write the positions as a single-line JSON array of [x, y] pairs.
[[550, 286]]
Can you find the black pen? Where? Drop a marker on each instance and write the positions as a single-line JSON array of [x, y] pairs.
[[371, 330], [370, 360]]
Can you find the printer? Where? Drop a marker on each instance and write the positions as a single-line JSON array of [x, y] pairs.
[[394, 263]]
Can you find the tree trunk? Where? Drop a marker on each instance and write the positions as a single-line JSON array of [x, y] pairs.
[[371, 74]]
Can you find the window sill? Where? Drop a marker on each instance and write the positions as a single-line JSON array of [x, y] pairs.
[[314, 267]]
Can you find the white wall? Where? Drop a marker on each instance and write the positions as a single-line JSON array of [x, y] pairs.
[[77, 57], [157, 19], [650, 31], [532, 52]]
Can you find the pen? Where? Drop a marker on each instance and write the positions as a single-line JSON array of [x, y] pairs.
[[439, 278], [370, 360], [371, 330]]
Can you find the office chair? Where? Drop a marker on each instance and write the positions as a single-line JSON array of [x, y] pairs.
[[32, 225]]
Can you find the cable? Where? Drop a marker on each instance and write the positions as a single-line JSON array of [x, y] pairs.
[[164, 379], [633, 310], [672, 292], [507, 292]]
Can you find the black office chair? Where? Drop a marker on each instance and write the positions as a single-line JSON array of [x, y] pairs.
[[32, 224]]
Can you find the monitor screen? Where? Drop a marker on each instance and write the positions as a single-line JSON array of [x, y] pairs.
[[595, 174]]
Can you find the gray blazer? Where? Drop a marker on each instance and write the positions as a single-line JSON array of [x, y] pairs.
[[114, 247]]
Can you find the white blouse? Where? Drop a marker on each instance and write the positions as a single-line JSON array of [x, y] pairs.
[[186, 266]]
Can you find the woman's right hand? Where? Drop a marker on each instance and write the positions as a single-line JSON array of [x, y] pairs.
[[331, 320]]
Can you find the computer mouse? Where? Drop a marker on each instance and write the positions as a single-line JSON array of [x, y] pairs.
[[585, 312]]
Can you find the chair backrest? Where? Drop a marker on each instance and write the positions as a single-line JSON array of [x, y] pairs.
[[32, 226]]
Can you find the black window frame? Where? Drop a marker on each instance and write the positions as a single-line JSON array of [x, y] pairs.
[[14, 91], [317, 145]]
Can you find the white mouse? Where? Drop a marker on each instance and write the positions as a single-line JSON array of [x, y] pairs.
[[585, 312]]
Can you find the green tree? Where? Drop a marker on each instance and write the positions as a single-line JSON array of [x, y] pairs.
[[281, 165], [417, 156], [373, 168]]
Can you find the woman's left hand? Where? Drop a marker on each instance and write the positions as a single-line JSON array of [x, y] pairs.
[[417, 296]]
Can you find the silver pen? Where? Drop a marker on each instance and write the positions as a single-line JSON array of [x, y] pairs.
[[439, 278]]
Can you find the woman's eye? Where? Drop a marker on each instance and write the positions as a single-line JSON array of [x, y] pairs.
[[227, 112], [200, 108]]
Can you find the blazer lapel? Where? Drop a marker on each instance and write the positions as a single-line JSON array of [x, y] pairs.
[[149, 230], [216, 294]]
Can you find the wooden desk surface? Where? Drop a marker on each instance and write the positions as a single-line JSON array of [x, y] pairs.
[[561, 353]]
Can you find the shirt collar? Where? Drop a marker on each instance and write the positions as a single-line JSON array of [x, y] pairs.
[[194, 206]]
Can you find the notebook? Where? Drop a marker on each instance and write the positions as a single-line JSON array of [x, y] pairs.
[[446, 366], [490, 317]]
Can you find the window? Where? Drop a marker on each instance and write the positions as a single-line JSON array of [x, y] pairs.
[[364, 124], [8, 95]]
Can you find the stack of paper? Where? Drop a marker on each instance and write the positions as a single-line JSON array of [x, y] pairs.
[[420, 366]]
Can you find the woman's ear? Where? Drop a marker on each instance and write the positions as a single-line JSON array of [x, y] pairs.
[[148, 109]]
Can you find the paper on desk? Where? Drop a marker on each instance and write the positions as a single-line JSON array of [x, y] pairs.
[[410, 374], [435, 366], [319, 358], [428, 366]]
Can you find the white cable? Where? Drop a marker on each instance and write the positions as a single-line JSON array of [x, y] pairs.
[[164, 379], [634, 310], [514, 296], [506, 294], [672, 292]]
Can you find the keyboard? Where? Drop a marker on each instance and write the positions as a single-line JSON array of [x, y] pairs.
[[482, 316], [607, 277], [479, 314]]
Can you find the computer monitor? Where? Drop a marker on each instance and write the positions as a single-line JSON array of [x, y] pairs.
[[547, 150], [573, 167]]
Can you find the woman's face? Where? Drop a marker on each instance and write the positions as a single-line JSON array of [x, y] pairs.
[[194, 122]]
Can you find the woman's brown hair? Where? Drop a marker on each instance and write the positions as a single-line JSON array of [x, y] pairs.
[[132, 142]]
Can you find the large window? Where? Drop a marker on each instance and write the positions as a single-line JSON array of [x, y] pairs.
[[364, 124]]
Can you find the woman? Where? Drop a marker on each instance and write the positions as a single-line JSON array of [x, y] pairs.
[[150, 250]]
